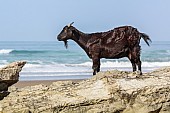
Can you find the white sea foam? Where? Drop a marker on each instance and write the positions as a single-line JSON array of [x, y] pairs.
[[168, 51], [85, 68], [53, 68], [5, 51], [73, 69], [3, 61], [124, 64]]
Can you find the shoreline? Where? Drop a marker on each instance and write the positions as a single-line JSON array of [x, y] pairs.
[[48, 80], [25, 83]]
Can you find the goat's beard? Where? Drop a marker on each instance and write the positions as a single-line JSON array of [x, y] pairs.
[[66, 43]]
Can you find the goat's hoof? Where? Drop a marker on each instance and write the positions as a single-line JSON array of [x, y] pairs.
[[138, 72]]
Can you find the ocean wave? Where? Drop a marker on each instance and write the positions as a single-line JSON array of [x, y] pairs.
[[122, 64], [86, 67], [28, 51], [52, 68], [168, 51], [3, 62], [5, 51], [82, 68], [13, 51]]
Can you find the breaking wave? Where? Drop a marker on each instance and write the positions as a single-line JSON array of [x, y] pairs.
[[5, 51], [70, 69]]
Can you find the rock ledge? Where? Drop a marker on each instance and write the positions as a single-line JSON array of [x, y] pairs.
[[9, 75], [107, 92]]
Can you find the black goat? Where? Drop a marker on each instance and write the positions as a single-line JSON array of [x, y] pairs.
[[117, 43]]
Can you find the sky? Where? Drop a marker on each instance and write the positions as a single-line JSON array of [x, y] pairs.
[[42, 20]]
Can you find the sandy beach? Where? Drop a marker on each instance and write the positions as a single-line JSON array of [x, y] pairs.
[[21, 84]]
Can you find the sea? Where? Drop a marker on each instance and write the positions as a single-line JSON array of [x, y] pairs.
[[52, 61]]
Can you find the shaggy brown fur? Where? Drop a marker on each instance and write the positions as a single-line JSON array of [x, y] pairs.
[[117, 43]]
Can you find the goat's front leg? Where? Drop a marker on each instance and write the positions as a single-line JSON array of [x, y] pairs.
[[133, 65], [96, 65]]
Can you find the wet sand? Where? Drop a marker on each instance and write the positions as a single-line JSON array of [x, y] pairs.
[[21, 84]]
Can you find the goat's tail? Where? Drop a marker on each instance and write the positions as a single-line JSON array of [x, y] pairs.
[[145, 38]]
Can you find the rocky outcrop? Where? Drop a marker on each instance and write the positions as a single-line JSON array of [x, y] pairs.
[[107, 92], [8, 76]]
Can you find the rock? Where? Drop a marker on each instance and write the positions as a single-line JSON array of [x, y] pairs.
[[8, 76], [111, 91]]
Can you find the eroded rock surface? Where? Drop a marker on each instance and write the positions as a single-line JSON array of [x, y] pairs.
[[8, 76], [107, 92]]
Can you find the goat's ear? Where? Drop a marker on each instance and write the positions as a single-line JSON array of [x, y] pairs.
[[73, 31]]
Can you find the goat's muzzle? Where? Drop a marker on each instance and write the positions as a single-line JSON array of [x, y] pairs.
[[58, 38]]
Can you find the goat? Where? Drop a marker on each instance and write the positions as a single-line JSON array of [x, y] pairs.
[[117, 43]]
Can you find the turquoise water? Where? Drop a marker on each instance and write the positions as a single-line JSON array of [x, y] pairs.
[[51, 60]]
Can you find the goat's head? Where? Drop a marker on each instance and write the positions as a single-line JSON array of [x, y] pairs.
[[66, 34]]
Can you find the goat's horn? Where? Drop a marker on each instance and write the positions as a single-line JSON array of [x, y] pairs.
[[70, 24]]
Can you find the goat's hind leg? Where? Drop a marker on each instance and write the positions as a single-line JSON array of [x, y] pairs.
[[136, 51], [139, 66], [138, 63]]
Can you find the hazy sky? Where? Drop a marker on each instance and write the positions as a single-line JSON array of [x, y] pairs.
[[42, 20]]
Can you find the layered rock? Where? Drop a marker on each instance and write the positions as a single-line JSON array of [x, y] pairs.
[[8, 76], [111, 91]]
